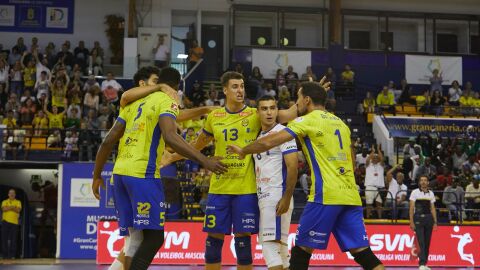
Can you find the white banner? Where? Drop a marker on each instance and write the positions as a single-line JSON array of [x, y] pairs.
[[270, 60], [418, 68]]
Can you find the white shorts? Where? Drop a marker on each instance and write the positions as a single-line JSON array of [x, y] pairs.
[[272, 227], [371, 194]]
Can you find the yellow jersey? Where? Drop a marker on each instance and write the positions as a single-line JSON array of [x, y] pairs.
[[240, 128], [326, 145], [389, 99], [141, 146], [11, 216], [55, 120]]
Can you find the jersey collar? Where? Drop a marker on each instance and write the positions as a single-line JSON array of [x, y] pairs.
[[244, 107]]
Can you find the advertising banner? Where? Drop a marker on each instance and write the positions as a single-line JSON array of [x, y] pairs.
[[404, 127], [79, 211], [418, 68], [270, 60], [393, 244], [46, 16]]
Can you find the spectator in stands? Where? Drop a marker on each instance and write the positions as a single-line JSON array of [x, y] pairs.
[[11, 208], [283, 97], [90, 82], [374, 181], [29, 73], [81, 55], [34, 45], [331, 77], [59, 94], [239, 68], [291, 77], [309, 74], [73, 116], [467, 101], [269, 91], [453, 197], [104, 116], [20, 46], [197, 95], [423, 101], [13, 105], [386, 100], [436, 103], [436, 82], [254, 83], [348, 76], [97, 59], [472, 197], [65, 57], [40, 124], [16, 78], [70, 142], [87, 143], [397, 193], [161, 53], [50, 54], [454, 94], [212, 97], [194, 54], [3, 98], [10, 122], [396, 92], [409, 147], [92, 120], [361, 158], [43, 85], [26, 95], [459, 157], [27, 112], [13, 57], [55, 119], [279, 79], [54, 139], [444, 178], [426, 169], [471, 163], [369, 103], [406, 95], [110, 88], [4, 72], [77, 80]]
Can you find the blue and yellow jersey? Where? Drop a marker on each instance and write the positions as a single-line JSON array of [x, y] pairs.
[[141, 146], [240, 129], [326, 145]]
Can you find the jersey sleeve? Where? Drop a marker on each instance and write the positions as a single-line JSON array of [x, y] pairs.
[[4, 203], [122, 117], [18, 204], [413, 196], [432, 197], [207, 127], [298, 127], [168, 107], [288, 147]]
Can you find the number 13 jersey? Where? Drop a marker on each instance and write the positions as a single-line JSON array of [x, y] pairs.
[[227, 128]]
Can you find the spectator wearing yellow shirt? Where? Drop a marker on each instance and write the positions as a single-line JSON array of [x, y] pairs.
[[348, 76], [10, 121], [423, 101], [386, 100], [59, 94], [369, 103], [40, 123], [467, 102], [55, 119], [11, 208], [29, 73]]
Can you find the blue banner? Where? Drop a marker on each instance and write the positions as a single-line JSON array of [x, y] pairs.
[[42, 16], [444, 127], [79, 210]]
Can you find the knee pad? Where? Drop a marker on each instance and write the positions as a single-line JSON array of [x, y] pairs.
[[213, 250], [243, 248], [367, 259], [285, 256], [133, 242], [272, 253], [300, 259]]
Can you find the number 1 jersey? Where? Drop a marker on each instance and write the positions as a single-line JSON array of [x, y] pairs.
[[227, 128]]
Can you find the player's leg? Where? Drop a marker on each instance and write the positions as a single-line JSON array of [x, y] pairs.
[[370, 193], [270, 235], [147, 199], [218, 222], [313, 232], [286, 220], [245, 219], [378, 205], [135, 239], [351, 235]]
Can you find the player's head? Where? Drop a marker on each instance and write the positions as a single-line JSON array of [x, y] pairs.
[[310, 94], [267, 110], [146, 76], [170, 77], [423, 181], [233, 87]]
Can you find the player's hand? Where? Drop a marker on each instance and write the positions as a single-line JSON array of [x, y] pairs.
[[214, 165], [323, 82], [412, 226], [283, 205], [97, 183], [235, 150], [167, 159]]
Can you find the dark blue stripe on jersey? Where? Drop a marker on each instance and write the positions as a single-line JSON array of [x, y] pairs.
[[121, 120], [206, 132], [284, 176], [152, 160], [294, 135], [278, 228], [316, 171], [169, 115], [244, 107], [289, 151]]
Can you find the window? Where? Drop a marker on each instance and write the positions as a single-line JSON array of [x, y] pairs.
[[452, 36], [361, 32], [256, 28], [303, 30]]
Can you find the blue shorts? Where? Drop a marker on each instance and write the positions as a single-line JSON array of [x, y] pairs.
[[344, 221], [139, 203], [224, 211]]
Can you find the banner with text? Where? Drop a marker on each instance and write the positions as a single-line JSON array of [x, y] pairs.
[[393, 244], [405, 127], [418, 68], [46, 16], [79, 211], [270, 60]]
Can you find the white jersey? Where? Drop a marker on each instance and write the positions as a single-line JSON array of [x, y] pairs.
[[270, 169]]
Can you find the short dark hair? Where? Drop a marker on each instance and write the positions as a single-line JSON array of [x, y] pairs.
[[315, 91], [43, 72], [264, 98], [170, 77], [230, 75], [144, 73], [422, 176]]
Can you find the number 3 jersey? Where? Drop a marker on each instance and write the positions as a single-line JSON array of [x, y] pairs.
[[270, 168], [141, 146], [227, 128]]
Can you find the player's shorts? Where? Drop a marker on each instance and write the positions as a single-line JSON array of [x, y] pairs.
[[371, 194], [273, 227], [139, 202], [224, 211], [344, 221]]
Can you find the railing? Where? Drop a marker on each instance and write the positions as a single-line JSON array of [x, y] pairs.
[[194, 72], [431, 111]]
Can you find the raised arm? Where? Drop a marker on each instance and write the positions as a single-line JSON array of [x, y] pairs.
[[370, 157], [380, 154], [291, 162], [113, 136], [188, 114], [139, 92], [263, 144]]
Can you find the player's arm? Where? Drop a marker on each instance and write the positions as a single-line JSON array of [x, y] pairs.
[[370, 157], [202, 141], [291, 162], [112, 138], [16, 209], [380, 154], [188, 114], [139, 92], [434, 215], [179, 145], [263, 144], [352, 153]]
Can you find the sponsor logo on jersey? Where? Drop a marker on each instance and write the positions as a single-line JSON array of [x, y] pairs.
[[130, 141], [298, 119], [219, 114], [174, 107], [244, 114], [143, 209], [245, 122]]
